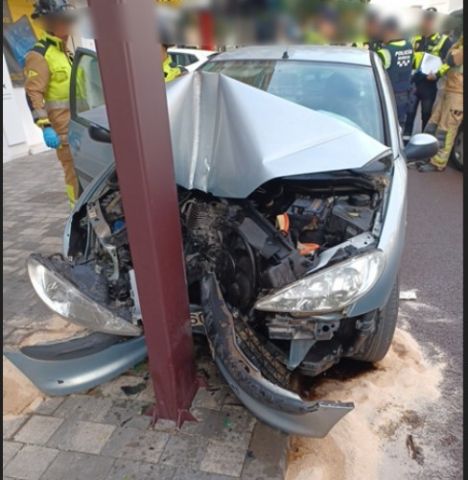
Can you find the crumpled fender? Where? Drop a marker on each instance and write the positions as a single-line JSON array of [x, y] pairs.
[[271, 403]]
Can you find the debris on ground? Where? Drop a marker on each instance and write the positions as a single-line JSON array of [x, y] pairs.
[[133, 389], [408, 295], [371, 442]]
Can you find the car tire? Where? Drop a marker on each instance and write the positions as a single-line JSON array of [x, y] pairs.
[[457, 152], [378, 345]]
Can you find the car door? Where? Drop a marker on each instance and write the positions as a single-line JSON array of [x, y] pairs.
[[87, 109]]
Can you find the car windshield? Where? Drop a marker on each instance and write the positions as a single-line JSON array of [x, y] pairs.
[[346, 91]]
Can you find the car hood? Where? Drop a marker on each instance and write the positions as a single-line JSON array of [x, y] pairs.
[[229, 138]]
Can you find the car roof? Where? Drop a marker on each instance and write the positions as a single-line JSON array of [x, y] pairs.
[[313, 53], [194, 51]]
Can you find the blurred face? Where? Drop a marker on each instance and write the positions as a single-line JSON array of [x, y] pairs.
[[61, 28], [427, 26], [373, 29], [327, 29], [389, 35]]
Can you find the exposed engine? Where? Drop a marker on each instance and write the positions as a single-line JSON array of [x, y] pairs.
[[253, 247]]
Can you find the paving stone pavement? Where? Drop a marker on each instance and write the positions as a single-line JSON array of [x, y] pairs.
[[103, 434]]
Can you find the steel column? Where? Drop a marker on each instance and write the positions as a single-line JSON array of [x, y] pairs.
[[130, 65]]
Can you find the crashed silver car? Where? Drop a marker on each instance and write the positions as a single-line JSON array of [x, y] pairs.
[[292, 179]]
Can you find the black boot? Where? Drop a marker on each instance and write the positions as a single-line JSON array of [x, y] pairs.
[[428, 167]]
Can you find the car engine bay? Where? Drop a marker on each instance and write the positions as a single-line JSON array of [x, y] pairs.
[[252, 247]]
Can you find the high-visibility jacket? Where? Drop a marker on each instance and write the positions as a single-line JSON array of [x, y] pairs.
[[369, 43], [48, 70], [397, 58], [312, 37], [436, 44], [171, 70]]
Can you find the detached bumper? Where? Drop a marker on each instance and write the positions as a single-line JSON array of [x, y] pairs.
[[271, 403], [79, 364]]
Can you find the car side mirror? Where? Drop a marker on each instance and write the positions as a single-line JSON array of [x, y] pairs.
[[421, 146], [99, 134]]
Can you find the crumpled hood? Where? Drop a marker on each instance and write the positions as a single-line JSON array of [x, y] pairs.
[[229, 138]]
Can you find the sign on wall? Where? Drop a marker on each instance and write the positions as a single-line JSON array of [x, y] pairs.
[[19, 35]]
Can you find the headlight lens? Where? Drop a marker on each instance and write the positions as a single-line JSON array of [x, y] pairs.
[[64, 298], [329, 290]]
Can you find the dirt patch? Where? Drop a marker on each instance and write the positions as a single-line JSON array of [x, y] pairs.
[[382, 437], [19, 394]]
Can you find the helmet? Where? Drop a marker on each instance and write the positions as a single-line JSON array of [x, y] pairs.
[[53, 8], [430, 13]]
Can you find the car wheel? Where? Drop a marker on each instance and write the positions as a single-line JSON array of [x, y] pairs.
[[457, 152], [377, 346]]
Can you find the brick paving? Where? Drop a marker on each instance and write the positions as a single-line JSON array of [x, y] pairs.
[[103, 434]]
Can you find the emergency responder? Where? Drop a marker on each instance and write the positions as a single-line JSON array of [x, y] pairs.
[[47, 70], [170, 68], [425, 90], [397, 58], [372, 38], [448, 112], [325, 27], [166, 24]]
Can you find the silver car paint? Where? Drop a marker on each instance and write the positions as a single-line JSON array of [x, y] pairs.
[[223, 146], [67, 376], [77, 375]]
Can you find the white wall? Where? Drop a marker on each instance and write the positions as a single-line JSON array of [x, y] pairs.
[[14, 137], [443, 6]]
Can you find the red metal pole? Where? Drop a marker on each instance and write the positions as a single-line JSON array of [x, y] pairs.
[[130, 65]]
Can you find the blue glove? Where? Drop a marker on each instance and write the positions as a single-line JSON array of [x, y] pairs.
[[51, 139]]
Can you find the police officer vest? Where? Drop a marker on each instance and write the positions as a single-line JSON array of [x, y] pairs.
[[398, 61], [432, 45]]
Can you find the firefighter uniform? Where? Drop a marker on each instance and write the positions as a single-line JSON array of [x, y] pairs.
[[397, 58], [448, 112], [425, 90], [48, 69]]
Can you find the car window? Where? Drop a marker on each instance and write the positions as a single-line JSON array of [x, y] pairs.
[[88, 89], [178, 59], [347, 91], [183, 59]]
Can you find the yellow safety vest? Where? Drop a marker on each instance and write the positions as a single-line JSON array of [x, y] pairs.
[[171, 72], [434, 46], [59, 62], [313, 37]]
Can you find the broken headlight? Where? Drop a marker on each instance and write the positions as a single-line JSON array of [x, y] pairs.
[[330, 290], [64, 298]]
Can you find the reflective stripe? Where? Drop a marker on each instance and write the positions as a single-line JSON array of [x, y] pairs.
[[53, 104], [71, 195], [386, 57], [443, 69], [39, 113], [436, 50]]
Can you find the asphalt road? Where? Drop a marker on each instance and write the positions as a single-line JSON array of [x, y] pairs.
[[432, 265]]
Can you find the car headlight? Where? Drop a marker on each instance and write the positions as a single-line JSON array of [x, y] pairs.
[[330, 290], [64, 298]]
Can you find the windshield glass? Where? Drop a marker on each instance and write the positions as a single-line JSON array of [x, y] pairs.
[[347, 91]]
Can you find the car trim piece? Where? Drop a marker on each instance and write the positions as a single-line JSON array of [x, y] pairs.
[[68, 367]]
